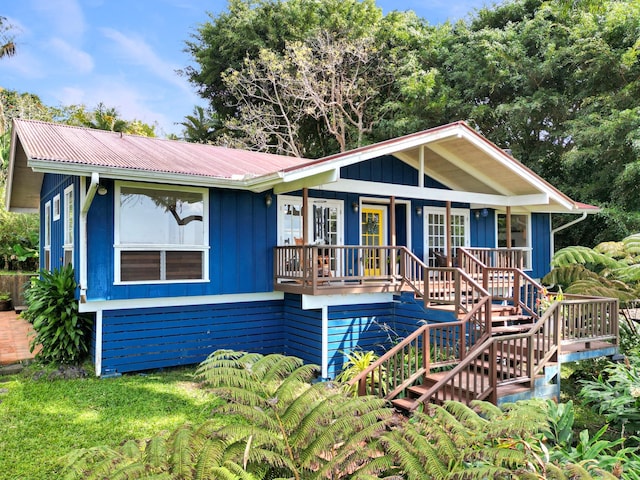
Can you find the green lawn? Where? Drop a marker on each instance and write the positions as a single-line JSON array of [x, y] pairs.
[[41, 420]]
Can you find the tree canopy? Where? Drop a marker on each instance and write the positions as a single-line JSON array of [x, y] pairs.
[[556, 82]]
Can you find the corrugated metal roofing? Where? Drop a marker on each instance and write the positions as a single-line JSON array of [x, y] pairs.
[[99, 148]]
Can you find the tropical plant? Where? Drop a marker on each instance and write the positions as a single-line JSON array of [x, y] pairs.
[[616, 394], [311, 431], [7, 45], [357, 362], [610, 269], [282, 427], [188, 452], [63, 332]]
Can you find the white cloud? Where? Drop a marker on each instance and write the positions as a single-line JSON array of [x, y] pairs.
[[81, 61], [140, 53], [64, 17]]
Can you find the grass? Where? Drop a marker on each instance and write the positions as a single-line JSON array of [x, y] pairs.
[[41, 420]]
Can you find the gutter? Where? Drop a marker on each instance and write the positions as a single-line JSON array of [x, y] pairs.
[[562, 227], [86, 198]]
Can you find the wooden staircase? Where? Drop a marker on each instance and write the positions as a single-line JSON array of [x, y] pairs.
[[496, 348]]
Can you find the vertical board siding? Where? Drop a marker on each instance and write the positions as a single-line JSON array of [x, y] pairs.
[[351, 327], [541, 244], [52, 185], [242, 232], [142, 339], [302, 332], [483, 230]]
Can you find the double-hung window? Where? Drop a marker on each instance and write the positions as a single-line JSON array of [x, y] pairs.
[[47, 237], [68, 225], [161, 233]]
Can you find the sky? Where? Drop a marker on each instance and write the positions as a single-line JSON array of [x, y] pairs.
[[126, 54]]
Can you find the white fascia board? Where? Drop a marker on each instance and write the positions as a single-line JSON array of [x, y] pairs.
[[398, 146], [513, 165], [291, 185], [405, 191], [257, 184]]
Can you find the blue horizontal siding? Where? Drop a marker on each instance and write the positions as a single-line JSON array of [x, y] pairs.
[[142, 339]]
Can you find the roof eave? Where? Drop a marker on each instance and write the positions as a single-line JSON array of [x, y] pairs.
[[256, 184]]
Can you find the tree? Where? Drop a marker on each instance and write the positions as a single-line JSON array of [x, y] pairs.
[[202, 126], [102, 118], [312, 78], [7, 45]]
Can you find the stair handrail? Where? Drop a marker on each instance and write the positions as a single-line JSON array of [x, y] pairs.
[[412, 270], [471, 331], [490, 344]]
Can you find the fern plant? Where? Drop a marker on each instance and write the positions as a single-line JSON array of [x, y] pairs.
[[311, 431], [610, 269]]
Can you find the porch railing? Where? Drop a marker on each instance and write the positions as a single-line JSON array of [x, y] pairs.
[[495, 257], [317, 266]]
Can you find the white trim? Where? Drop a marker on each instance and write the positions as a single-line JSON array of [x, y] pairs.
[[56, 207], [98, 351], [46, 234], [255, 184], [386, 201], [325, 343], [314, 302], [136, 303], [443, 211], [68, 221], [408, 191], [283, 200], [385, 219], [118, 247], [528, 250]]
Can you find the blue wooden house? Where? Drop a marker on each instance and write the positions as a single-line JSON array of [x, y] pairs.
[[180, 249]]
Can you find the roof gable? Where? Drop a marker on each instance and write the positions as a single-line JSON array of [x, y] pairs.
[[454, 155]]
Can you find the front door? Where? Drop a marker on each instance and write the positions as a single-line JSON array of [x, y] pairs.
[[372, 227]]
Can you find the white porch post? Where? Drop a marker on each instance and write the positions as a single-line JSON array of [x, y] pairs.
[[98, 352], [448, 233], [325, 342]]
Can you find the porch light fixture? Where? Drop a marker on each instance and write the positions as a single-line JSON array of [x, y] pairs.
[[268, 200], [481, 213], [419, 211], [102, 190], [355, 207]]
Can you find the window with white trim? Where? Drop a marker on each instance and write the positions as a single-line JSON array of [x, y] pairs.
[[161, 233], [435, 231], [46, 236], [520, 234], [56, 207], [68, 225]]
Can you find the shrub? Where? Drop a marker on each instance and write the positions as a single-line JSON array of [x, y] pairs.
[[616, 394], [53, 310]]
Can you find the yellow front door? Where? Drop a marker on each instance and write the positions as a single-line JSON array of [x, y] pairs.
[[372, 227]]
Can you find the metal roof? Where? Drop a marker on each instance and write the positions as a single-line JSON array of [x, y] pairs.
[[99, 148]]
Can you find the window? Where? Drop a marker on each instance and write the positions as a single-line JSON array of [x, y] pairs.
[[56, 207], [46, 235], [161, 234], [68, 225], [436, 231], [325, 225], [520, 234]]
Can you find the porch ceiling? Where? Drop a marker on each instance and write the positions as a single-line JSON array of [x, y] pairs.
[[463, 166]]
